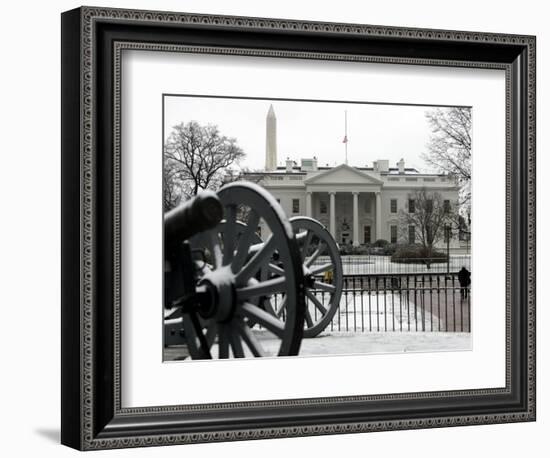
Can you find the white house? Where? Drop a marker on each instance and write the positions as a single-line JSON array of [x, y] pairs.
[[358, 204]]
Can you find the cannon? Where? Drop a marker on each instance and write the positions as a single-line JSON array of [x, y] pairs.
[[213, 280], [228, 293]]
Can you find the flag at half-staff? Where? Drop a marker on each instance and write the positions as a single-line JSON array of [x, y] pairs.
[[345, 140]]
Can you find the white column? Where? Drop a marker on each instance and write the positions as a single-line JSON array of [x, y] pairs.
[[378, 216], [355, 218], [332, 225], [308, 204]]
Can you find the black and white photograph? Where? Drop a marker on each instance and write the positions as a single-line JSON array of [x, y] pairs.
[[315, 227], [279, 222]]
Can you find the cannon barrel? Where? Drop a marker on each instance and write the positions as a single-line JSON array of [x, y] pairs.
[[200, 213]]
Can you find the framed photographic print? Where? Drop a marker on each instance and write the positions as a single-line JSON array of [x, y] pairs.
[[279, 228]]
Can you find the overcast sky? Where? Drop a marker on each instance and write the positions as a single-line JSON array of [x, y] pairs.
[[307, 129]]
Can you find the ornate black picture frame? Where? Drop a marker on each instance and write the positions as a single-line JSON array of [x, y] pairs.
[[92, 42]]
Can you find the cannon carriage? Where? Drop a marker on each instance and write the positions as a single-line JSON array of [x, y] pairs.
[[228, 293]]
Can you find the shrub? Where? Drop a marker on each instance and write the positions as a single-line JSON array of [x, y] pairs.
[[362, 249], [353, 250], [345, 249], [380, 243], [417, 254], [391, 248]]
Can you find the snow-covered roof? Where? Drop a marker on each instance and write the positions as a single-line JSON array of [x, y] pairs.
[[296, 170]]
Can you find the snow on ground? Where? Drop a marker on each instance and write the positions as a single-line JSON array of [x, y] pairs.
[[345, 343], [365, 264], [348, 343], [364, 311]]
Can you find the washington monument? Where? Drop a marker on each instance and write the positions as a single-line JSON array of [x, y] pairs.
[[271, 140]]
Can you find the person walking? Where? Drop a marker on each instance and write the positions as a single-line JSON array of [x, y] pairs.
[[464, 278]]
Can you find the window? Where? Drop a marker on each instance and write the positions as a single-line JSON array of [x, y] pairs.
[[447, 206], [411, 205], [393, 234], [323, 207], [429, 205], [393, 206], [367, 234], [295, 205], [411, 234]]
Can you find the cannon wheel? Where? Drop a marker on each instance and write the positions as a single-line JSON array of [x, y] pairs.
[[233, 274], [255, 244], [323, 297]]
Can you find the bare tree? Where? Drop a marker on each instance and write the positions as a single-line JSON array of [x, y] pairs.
[[429, 214], [197, 157], [172, 187], [450, 147]]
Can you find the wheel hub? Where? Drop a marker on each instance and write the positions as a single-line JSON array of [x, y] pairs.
[[221, 284]]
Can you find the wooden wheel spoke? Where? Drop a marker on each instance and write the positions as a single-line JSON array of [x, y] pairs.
[[275, 269], [300, 236], [211, 334], [250, 340], [223, 342], [195, 336], [245, 241], [306, 241], [236, 344], [316, 302], [281, 307], [230, 233], [264, 288], [318, 251], [324, 286], [269, 307], [309, 320], [215, 249], [258, 260], [322, 268], [263, 318]]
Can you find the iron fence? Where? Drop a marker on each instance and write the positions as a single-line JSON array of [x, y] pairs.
[[401, 302]]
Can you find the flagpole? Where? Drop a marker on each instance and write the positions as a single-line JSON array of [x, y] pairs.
[[346, 133]]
